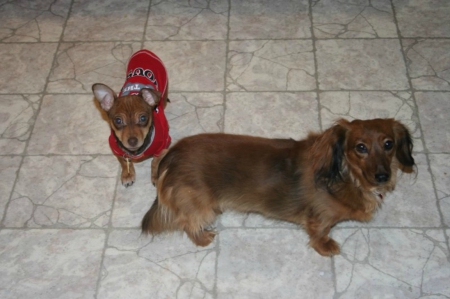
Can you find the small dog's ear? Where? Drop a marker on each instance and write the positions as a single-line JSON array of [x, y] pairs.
[[327, 155], [104, 95], [151, 96], [404, 147]]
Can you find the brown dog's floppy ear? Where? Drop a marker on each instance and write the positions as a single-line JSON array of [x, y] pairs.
[[151, 96], [327, 155], [104, 95], [404, 147]]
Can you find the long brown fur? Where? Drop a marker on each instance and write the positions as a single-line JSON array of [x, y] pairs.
[[341, 174]]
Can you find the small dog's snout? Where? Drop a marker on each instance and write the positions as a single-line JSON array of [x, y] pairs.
[[132, 141], [382, 177]]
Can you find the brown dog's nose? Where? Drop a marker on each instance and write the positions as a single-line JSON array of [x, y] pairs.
[[132, 141], [382, 177]]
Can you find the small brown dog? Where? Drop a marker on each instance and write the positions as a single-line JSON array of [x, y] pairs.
[[139, 128], [341, 174]]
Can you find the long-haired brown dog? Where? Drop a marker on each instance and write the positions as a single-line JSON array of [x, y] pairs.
[[340, 174]]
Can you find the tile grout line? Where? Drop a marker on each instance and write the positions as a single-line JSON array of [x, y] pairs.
[[426, 152], [255, 91], [237, 39], [316, 63], [225, 75], [319, 117], [225, 93], [107, 230]]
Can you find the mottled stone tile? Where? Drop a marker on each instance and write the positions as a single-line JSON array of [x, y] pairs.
[[33, 21], [402, 263], [440, 168], [79, 65], [192, 65], [9, 167], [165, 267], [17, 117], [362, 64], [69, 124], [187, 20], [269, 65], [423, 18], [111, 20], [367, 105], [62, 191], [273, 115], [353, 19], [25, 67], [428, 63], [271, 263], [132, 203], [265, 19], [50, 263], [194, 113], [434, 109]]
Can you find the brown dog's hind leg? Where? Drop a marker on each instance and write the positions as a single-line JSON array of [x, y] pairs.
[[195, 212], [319, 239]]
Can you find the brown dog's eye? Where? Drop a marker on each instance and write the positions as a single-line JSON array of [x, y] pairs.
[[388, 144], [143, 118], [361, 148], [118, 121]]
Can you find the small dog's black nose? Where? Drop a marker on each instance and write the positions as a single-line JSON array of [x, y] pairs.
[[382, 177], [132, 141]]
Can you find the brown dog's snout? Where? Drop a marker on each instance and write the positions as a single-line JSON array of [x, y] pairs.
[[132, 141], [382, 170]]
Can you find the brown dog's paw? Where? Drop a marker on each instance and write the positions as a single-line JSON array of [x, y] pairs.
[[203, 238], [127, 178], [327, 248]]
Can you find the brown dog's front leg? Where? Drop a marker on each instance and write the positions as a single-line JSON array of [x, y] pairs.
[[128, 174], [319, 239]]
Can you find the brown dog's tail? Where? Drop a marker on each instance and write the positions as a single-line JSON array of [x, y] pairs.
[[159, 218], [153, 222]]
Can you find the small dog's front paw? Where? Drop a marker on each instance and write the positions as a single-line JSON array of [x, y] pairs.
[[128, 179]]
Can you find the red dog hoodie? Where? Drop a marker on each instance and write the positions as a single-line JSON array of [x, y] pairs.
[[146, 70]]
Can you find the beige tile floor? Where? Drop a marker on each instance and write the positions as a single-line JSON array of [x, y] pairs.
[[269, 68]]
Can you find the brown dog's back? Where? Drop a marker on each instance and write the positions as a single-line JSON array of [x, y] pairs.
[[250, 174], [254, 170]]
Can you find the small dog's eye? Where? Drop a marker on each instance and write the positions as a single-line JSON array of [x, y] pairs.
[[143, 118], [361, 148], [388, 145], [118, 121]]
